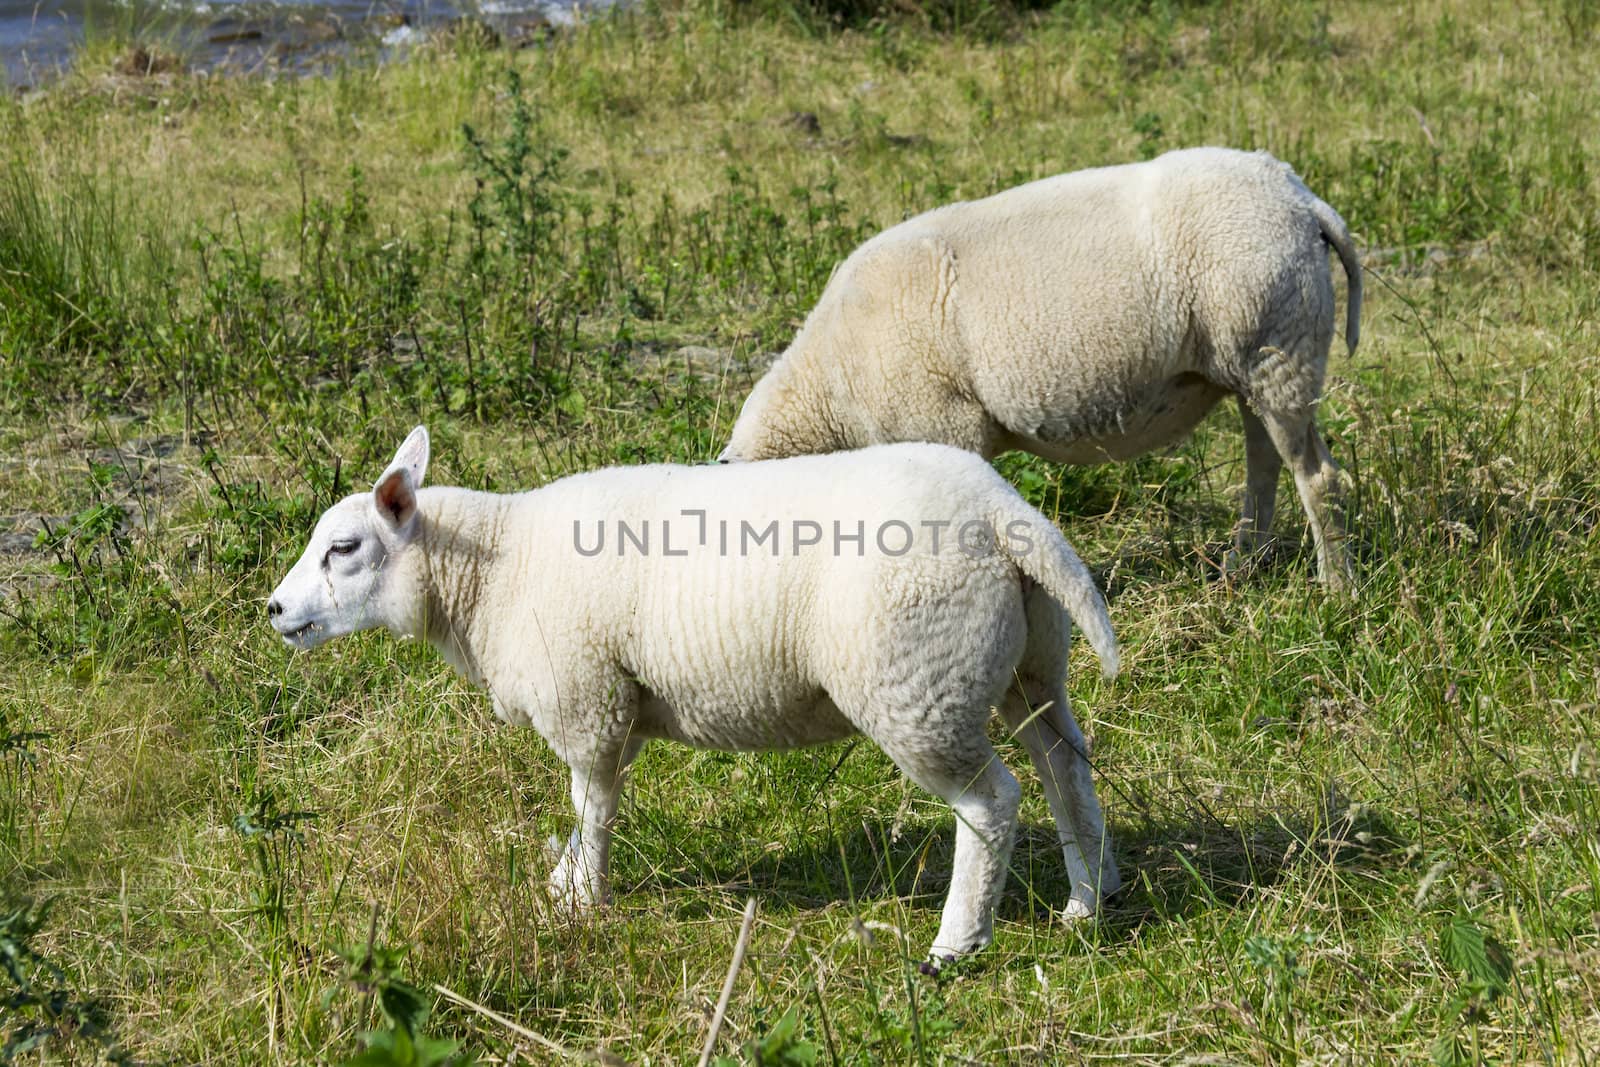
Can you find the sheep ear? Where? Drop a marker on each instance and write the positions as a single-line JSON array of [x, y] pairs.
[[396, 491], [396, 496], [413, 454]]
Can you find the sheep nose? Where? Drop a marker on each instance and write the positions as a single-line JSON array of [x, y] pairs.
[[274, 609]]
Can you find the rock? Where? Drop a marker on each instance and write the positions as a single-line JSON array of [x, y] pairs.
[[20, 530], [529, 30], [700, 354], [699, 361], [158, 447], [248, 33], [401, 36], [702, 362], [304, 32], [468, 33], [140, 61], [15, 543]]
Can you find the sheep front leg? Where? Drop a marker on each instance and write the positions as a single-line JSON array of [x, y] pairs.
[[579, 879]]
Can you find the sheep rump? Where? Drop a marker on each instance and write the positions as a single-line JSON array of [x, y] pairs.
[[1087, 317], [604, 645]]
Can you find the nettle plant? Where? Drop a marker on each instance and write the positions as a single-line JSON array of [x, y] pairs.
[[1484, 975], [18, 762], [275, 840], [42, 1013], [372, 972], [107, 607]]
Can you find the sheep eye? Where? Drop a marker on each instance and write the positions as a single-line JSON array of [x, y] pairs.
[[344, 548]]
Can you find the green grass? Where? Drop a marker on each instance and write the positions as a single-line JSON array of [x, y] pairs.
[[1354, 832]]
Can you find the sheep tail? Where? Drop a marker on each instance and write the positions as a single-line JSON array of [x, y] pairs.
[[1337, 234], [1043, 554]]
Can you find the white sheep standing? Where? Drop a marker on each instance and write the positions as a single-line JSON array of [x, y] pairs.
[[1087, 317], [763, 606]]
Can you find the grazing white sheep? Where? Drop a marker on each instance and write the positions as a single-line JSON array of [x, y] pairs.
[[902, 592], [1088, 317]]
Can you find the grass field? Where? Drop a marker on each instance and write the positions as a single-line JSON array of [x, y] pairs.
[[1355, 832]]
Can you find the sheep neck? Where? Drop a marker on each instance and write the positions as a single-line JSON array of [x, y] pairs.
[[809, 419], [461, 537]]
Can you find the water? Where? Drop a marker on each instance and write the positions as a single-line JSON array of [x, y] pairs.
[[38, 37]]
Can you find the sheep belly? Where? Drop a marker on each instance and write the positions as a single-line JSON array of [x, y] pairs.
[[772, 722], [1163, 414]]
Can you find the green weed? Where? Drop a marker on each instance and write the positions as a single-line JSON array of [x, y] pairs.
[[43, 1013]]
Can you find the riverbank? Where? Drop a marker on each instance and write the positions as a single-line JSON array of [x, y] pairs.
[[40, 42], [1356, 831]]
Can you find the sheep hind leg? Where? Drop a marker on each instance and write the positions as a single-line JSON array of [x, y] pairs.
[[986, 828], [578, 881], [985, 797], [1316, 477], [1262, 466]]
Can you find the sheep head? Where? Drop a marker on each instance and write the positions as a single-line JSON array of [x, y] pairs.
[[353, 574]]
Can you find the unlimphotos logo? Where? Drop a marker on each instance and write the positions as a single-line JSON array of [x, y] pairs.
[[973, 538]]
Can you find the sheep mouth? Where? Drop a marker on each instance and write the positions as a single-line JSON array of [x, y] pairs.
[[299, 635]]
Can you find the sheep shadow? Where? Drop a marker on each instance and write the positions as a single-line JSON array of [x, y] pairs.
[[1154, 561], [1186, 858]]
